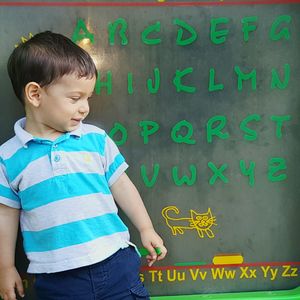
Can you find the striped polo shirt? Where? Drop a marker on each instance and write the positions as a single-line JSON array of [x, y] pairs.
[[68, 216]]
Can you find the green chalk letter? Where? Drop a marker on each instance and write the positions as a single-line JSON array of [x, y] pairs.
[[211, 131], [212, 85], [119, 129], [185, 179], [187, 27], [284, 32], [179, 138], [218, 36], [279, 123], [177, 81], [246, 27], [112, 27], [276, 82], [148, 128], [130, 83], [150, 183], [248, 172], [147, 31], [251, 134], [276, 164], [77, 36], [218, 173], [153, 89], [100, 84], [242, 77]]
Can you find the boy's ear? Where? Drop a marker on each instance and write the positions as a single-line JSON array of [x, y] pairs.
[[33, 93]]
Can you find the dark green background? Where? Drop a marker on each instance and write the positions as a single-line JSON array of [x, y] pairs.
[[261, 222]]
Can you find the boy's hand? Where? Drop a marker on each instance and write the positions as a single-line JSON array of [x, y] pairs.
[[9, 281], [151, 240]]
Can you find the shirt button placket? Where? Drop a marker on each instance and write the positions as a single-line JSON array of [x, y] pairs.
[[56, 158]]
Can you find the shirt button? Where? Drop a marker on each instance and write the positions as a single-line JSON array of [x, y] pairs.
[[55, 146], [57, 158]]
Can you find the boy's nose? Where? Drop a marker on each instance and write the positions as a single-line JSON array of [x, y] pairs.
[[84, 107]]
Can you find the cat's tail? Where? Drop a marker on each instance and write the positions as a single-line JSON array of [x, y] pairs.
[[165, 211]]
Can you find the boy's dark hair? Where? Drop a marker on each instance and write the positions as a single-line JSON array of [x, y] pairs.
[[46, 57]]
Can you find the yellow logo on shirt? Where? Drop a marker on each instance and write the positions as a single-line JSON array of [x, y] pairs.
[[87, 158]]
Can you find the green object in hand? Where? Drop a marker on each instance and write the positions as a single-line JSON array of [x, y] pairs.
[[145, 252]]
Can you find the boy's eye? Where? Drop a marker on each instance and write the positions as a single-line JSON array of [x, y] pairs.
[[75, 98]]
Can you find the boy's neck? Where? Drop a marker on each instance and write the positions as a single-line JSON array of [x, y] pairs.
[[41, 130]]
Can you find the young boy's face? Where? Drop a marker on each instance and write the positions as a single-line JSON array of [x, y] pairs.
[[64, 104]]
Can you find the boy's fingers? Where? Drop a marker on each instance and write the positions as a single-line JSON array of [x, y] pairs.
[[151, 250], [152, 253], [10, 296], [163, 252], [156, 253], [20, 288], [150, 260], [152, 256]]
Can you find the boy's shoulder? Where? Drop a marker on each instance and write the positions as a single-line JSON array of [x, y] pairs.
[[89, 128], [9, 147]]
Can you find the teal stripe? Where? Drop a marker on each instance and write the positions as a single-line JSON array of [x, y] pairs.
[[6, 192], [73, 233], [62, 187], [119, 160], [91, 142], [20, 160]]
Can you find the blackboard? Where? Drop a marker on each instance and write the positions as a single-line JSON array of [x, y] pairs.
[[203, 100]]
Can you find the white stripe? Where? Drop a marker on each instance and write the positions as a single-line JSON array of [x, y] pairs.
[[3, 179], [35, 172], [122, 168], [67, 211], [78, 255], [10, 203], [83, 162], [9, 148], [71, 162], [111, 152], [88, 128]]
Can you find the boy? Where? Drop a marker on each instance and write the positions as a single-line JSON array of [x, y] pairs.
[[63, 177]]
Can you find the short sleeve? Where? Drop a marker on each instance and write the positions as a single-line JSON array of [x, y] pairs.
[[115, 164], [7, 196]]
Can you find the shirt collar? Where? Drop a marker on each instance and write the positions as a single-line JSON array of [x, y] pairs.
[[21, 133], [77, 132], [25, 137]]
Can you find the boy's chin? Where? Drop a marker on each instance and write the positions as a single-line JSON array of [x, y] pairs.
[[73, 127], [64, 129]]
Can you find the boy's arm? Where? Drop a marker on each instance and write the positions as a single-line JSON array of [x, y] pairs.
[[129, 200], [9, 277]]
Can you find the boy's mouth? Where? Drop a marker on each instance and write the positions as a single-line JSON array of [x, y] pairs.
[[76, 120]]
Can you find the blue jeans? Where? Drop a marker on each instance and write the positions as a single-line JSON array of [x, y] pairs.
[[115, 278]]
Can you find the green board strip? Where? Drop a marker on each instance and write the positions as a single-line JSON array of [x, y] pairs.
[[270, 295]]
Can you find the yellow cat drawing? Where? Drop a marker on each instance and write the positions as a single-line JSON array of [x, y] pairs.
[[201, 222]]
